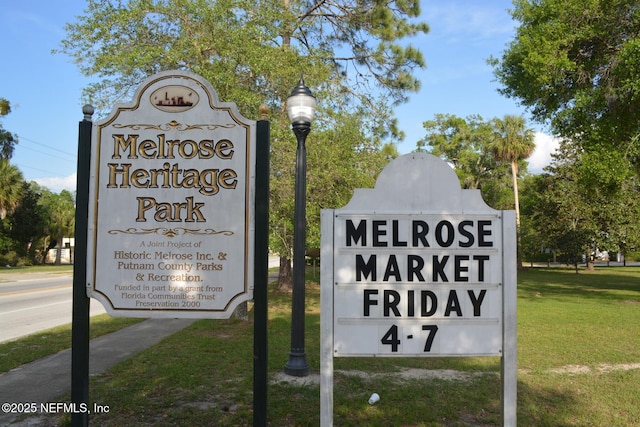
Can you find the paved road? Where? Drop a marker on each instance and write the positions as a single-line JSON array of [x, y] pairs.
[[34, 302]]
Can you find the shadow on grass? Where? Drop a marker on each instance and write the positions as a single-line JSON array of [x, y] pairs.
[[546, 406], [609, 284]]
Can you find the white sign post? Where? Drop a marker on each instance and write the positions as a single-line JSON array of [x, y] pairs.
[[171, 203], [418, 267]]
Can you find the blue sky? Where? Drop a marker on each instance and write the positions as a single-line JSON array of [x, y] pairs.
[[45, 89]]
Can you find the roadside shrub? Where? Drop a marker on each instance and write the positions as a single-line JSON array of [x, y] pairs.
[[25, 262], [10, 258]]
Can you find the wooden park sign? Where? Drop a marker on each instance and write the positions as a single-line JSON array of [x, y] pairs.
[[418, 267], [171, 203], [172, 217]]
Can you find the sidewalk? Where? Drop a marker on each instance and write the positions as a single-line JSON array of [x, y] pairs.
[[47, 378]]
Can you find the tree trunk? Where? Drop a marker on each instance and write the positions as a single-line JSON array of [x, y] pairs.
[[591, 260], [514, 175], [285, 282], [59, 253]]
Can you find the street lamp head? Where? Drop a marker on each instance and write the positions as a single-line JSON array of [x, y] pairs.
[[301, 104]]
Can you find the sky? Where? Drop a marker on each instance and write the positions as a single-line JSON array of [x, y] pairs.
[[45, 89]]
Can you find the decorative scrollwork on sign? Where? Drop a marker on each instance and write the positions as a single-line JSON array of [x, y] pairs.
[[173, 125], [173, 232]]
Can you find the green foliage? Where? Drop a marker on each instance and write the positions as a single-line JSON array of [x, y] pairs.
[[574, 63], [5, 107], [28, 223], [340, 158], [251, 51], [570, 209], [512, 140], [34, 215], [462, 143], [9, 258], [564, 212], [512, 143]]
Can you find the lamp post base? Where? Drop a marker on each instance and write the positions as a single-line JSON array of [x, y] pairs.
[[297, 365]]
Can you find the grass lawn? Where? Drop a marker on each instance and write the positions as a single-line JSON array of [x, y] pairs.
[[578, 365]]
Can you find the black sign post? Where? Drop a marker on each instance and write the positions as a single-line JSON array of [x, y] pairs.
[[80, 321], [261, 273]]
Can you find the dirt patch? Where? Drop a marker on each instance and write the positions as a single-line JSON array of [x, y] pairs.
[[440, 374], [282, 378], [570, 369], [451, 374], [603, 368], [402, 375]]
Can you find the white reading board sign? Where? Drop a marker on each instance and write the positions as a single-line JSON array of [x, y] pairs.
[[417, 267], [171, 203], [423, 284]]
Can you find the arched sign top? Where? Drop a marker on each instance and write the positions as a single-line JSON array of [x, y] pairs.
[[171, 94], [418, 182], [171, 202]]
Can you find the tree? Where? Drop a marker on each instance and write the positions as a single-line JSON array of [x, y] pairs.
[[10, 187], [512, 143], [28, 222], [576, 64], [535, 238], [252, 53], [618, 217], [464, 143], [565, 213], [7, 139]]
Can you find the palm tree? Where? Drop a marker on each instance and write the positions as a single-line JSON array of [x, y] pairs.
[[10, 187], [513, 142], [61, 211]]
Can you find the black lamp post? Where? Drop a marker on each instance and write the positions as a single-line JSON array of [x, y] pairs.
[[301, 108]]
